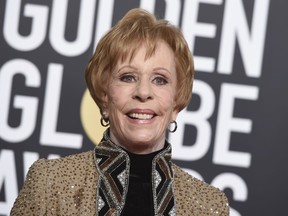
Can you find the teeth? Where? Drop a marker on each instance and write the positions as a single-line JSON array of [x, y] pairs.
[[141, 116]]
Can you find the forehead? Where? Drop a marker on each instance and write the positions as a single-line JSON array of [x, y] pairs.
[[147, 50], [161, 60]]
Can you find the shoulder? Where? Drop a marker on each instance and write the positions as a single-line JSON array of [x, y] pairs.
[[68, 162], [50, 179], [80, 159], [203, 198], [77, 165]]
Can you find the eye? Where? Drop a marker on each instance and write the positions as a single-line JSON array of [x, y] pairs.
[[128, 78], [159, 80]]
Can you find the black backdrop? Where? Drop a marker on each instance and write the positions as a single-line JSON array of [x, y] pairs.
[[232, 135]]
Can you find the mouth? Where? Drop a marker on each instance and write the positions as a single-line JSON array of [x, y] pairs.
[[141, 116]]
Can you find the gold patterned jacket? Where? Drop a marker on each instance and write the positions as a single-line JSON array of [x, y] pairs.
[[96, 183]]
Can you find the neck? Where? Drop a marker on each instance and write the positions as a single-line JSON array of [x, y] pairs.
[[137, 148]]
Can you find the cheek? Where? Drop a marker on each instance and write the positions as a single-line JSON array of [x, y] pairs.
[[114, 104], [117, 99], [166, 99]]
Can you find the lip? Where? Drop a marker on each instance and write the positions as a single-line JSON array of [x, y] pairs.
[[141, 112]]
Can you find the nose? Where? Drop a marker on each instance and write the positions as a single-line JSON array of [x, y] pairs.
[[143, 91]]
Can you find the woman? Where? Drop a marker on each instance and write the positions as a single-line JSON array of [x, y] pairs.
[[140, 76]]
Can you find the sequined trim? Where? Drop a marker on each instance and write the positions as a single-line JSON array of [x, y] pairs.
[[100, 203], [157, 179], [162, 184], [113, 166], [113, 169], [172, 212], [122, 178]]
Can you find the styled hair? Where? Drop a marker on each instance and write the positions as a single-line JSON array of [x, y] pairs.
[[122, 41]]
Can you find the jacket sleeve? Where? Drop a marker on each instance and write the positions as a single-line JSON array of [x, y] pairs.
[[224, 208], [195, 197], [32, 197]]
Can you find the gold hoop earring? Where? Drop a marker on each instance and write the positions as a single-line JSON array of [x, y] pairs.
[[175, 127], [103, 122]]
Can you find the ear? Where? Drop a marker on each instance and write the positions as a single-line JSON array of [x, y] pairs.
[[174, 115], [104, 108], [105, 98]]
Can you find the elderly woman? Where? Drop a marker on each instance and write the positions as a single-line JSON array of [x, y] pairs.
[[140, 77]]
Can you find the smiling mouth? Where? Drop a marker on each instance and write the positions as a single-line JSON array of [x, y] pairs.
[[141, 116]]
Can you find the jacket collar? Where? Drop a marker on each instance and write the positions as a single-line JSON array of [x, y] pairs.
[[113, 167]]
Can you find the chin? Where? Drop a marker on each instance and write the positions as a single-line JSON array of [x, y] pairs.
[[144, 135], [145, 140]]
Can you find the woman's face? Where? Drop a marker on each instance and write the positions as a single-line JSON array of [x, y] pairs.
[[141, 101]]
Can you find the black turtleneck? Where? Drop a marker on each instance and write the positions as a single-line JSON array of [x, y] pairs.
[[139, 200]]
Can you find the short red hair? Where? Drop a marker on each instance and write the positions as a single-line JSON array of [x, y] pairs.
[[135, 28]]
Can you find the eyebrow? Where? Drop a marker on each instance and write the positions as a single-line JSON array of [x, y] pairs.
[[135, 68], [162, 68], [126, 66]]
